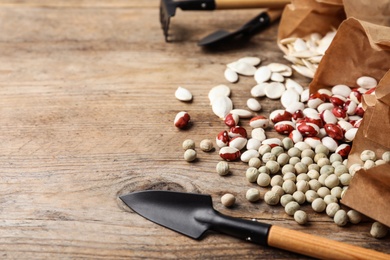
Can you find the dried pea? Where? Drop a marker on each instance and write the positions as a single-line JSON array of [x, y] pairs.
[[340, 218], [206, 145], [289, 186], [330, 199], [300, 168], [332, 208], [288, 168], [286, 198], [354, 168], [228, 200], [302, 185], [263, 169], [287, 143], [301, 217], [322, 149], [190, 155], [252, 195], [378, 230], [308, 153], [313, 174], [188, 144], [314, 184], [318, 205], [311, 195], [277, 150], [336, 191], [254, 162], [332, 181], [335, 157], [289, 176], [323, 191], [264, 148], [386, 156], [322, 178], [294, 152], [294, 160], [340, 169], [291, 208], [354, 216], [319, 156], [263, 180], [307, 160], [299, 197], [268, 157], [327, 169], [273, 166], [251, 174], [323, 161], [368, 164], [303, 176], [276, 180], [283, 159], [336, 163], [278, 190], [345, 179], [367, 155], [314, 166], [222, 168], [271, 198]]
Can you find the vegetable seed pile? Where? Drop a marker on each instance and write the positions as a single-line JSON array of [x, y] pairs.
[[308, 165]]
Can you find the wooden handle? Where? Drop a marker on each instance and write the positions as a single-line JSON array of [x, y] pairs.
[[318, 247], [241, 4]]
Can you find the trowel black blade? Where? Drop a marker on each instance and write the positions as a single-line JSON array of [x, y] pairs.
[[192, 215]]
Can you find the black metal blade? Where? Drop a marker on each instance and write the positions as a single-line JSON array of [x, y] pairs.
[[174, 210]]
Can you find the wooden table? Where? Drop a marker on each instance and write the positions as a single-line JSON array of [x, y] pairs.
[[86, 114]]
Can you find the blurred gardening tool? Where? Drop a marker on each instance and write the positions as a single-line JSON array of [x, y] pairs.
[[168, 7]]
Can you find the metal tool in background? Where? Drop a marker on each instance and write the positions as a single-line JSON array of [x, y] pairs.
[[168, 7], [255, 25], [193, 214]]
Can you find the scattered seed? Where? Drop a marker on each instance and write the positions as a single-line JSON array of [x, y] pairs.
[[188, 144], [228, 200], [301, 217], [222, 168], [206, 145], [252, 195], [190, 155], [183, 94]]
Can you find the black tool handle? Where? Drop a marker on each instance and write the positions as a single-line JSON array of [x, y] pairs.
[[249, 230], [196, 5], [255, 25]]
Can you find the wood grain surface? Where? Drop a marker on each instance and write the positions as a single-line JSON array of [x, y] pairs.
[[86, 115]]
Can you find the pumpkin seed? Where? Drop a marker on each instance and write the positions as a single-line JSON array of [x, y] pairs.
[[183, 94], [221, 106]]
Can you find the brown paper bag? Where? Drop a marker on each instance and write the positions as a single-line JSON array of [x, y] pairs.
[[369, 193], [303, 17], [361, 47], [376, 12], [373, 134], [358, 49]]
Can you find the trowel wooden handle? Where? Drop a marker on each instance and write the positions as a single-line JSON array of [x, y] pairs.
[[318, 247], [239, 4]]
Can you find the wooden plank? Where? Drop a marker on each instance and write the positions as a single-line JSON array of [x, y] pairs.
[[87, 110]]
